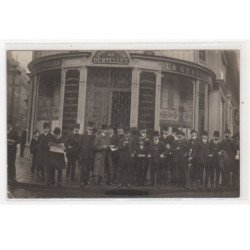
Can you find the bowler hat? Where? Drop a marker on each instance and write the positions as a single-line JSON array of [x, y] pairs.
[[193, 131], [156, 134], [126, 130], [204, 133], [227, 131], [175, 130], [90, 124], [216, 133], [46, 125], [164, 128], [104, 126]]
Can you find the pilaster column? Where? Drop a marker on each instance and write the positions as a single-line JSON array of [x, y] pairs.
[[196, 105], [206, 109], [33, 104], [61, 98], [157, 100], [135, 88], [82, 97]]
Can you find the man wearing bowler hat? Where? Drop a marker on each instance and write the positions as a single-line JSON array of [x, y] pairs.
[[229, 147], [103, 160], [72, 145], [214, 162], [86, 154], [43, 152]]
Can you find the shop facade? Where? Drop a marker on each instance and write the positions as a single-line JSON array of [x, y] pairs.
[[134, 88]]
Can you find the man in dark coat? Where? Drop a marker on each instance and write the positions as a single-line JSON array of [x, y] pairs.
[[214, 154], [193, 144], [229, 147], [33, 151], [12, 141], [86, 155], [72, 151], [23, 142], [203, 160], [167, 162], [103, 160], [142, 153], [112, 175], [179, 149], [43, 152], [125, 153], [157, 150]]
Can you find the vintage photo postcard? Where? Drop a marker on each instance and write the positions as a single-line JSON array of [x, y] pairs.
[[123, 123]]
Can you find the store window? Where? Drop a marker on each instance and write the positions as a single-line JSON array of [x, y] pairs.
[[176, 102], [202, 99]]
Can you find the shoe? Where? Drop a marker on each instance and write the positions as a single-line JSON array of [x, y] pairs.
[[128, 185], [120, 185]]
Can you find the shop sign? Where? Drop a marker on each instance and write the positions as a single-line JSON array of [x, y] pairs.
[[110, 57], [185, 70], [47, 65]]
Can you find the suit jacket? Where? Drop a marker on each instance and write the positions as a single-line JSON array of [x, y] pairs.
[[179, 149], [203, 152], [102, 155], [193, 145], [34, 146], [72, 144], [156, 151], [125, 148], [87, 147], [229, 146], [12, 135], [43, 148], [214, 150]]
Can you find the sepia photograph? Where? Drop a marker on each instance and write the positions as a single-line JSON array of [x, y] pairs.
[[123, 124]]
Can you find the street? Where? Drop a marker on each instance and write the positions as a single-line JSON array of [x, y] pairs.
[[28, 186]]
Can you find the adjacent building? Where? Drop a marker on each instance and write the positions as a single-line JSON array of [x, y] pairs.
[[179, 88]]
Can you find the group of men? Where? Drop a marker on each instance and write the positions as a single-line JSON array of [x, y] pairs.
[[131, 157]]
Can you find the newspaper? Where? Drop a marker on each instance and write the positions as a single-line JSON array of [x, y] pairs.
[[56, 148]]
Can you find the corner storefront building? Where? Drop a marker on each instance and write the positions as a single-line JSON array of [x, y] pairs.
[[178, 88]]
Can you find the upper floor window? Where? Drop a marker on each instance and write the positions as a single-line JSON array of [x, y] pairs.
[[202, 55]]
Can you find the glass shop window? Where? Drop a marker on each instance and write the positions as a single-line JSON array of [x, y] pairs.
[[167, 94], [202, 90]]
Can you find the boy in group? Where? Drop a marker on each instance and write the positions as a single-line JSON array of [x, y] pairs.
[[86, 154], [179, 149], [214, 154], [193, 144], [135, 141], [33, 151], [157, 150], [203, 160], [72, 151], [125, 153], [167, 162], [43, 152]]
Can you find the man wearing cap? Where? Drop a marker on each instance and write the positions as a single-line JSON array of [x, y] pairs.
[[229, 147], [103, 160], [125, 149], [157, 150], [203, 160], [86, 154], [167, 162], [179, 149], [214, 154], [43, 152], [72, 151], [12, 141], [193, 144]]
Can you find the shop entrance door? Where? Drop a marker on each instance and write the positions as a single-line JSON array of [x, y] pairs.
[[120, 108]]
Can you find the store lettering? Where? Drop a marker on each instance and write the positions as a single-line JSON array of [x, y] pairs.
[[110, 57]]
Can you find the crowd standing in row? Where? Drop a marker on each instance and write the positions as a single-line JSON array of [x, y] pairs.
[[130, 157]]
